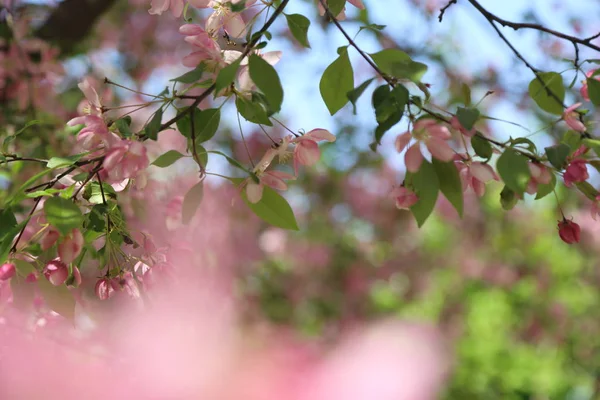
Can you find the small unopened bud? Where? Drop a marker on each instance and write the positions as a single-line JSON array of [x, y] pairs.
[[7, 271], [569, 231], [104, 289]]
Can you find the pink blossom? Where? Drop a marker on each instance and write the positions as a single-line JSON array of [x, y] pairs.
[[274, 179], [7, 271], [95, 134], [56, 272], [342, 15], [576, 172], [125, 160], [95, 106], [104, 289], [474, 175], [223, 17], [584, 89], [160, 6], [307, 151], [432, 135], [206, 48], [405, 198], [540, 175], [455, 123], [49, 239], [571, 117], [569, 231], [70, 246]]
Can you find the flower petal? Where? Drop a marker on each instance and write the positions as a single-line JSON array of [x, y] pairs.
[[413, 158]]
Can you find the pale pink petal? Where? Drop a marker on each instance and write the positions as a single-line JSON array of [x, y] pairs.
[[193, 59], [413, 158], [307, 152], [200, 3], [320, 134], [157, 7], [478, 187], [254, 192], [273, 182], [357, 3], [272, 57], [213, 23], [440, 149], [245, 82], [482, 172], [281, 175], [234, 25], [575, 124], [90, 93], [77, 121], [402, 141], [191, 29], [177, 8]]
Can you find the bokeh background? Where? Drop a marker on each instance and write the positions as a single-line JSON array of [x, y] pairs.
[[519, 309]]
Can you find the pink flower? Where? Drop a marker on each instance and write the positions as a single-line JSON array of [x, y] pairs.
[[56, 272], [7, 271], [49, 239], [342, 15], [596, 208], [576, 172], [160, 6], [104, 289], [571, 117], [474, 175], [540, 175], [569, 231], [584, 88], [95, 134], [405, 198], [432, 135], [92, 97], [274, 179], [307, 151], [125, 160], [455, 124], [223, 17], [206, 48], [70, 246]]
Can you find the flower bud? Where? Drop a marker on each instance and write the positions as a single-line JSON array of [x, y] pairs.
[[104, 289], [7, 271], [56, 272], [49, 239], [569, 231]]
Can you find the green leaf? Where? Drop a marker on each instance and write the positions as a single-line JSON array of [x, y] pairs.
[[450, 183], [231, 161], [526, 142], [354, 94], [389, 108], [594, 91], [540, 92], [191, 202], [513, 168], [23, 268], [40, 193], [372, 27], [191, 76], [7, 238], [587, 189], [336, 6], [266, 79], [273, 209], [7, 221], [63, 214], [482, 147], [58, 298], [466, 92], [299, 25], [167, 159], [337, 80], [467, 117], [226, 76], [201, 151], [508, 199], [123, 125], [151, 130], [572, 139], [206, 123], [397, 63], [93, 194], [252, 111], [59, 162], [545, 189], [557, 155], [592, 144], [426, 186]]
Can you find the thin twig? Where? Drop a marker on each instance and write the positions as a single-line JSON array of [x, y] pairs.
[[443, 10]]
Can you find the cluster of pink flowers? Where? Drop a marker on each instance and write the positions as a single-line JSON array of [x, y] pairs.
[[306, 152], [123, 158]]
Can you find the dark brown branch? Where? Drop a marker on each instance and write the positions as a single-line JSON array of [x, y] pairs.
[[587, 42], [443, 10]]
